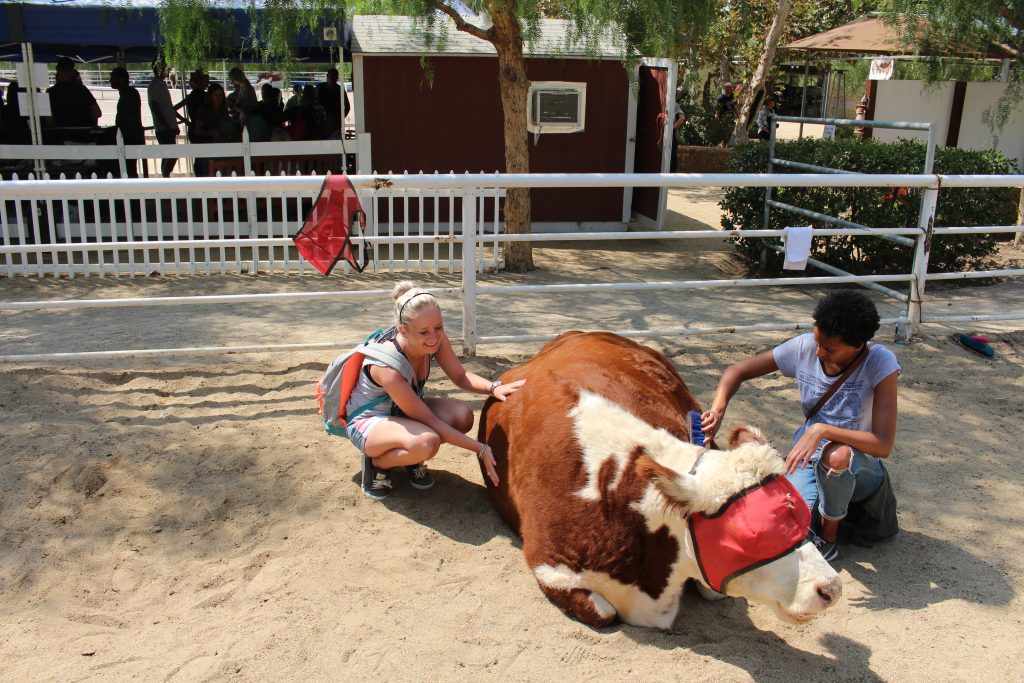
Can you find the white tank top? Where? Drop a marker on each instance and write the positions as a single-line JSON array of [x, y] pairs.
[[366, 390]]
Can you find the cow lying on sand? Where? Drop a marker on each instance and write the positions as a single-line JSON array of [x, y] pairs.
[[617, 510]]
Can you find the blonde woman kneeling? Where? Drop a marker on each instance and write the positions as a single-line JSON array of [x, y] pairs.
[[406, 429]]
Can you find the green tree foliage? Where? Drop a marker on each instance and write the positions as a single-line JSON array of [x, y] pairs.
[[876, 207], [732, 47], [931, 27]]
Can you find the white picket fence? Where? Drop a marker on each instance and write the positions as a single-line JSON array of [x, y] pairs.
[[127, 228]]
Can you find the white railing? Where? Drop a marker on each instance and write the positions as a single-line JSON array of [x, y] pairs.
[[93, 77], [472, 186], [69, 159], [202, 226]]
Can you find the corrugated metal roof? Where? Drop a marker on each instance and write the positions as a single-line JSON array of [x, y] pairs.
[[377, 34]]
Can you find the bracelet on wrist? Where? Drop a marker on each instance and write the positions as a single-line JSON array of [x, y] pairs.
[[494, 385]]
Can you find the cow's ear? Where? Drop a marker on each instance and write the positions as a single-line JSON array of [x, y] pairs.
[[680, 490], [742, 434]]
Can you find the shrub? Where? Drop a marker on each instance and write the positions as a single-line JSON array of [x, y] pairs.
[[702, 129], [875, 207]]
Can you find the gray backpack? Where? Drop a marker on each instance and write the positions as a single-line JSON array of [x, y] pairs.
[[334, 390]]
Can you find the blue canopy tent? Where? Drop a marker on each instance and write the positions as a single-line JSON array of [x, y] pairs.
[[104, 32], [98, 30]]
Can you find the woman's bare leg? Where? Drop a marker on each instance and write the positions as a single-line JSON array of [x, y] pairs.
[[400, 441]]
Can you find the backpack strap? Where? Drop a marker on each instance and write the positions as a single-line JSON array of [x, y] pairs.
[[394, 359], [390, 356]]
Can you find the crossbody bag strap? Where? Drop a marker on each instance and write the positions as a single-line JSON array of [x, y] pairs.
[[839, 382]]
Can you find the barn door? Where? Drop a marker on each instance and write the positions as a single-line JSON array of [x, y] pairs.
[[653, 138]]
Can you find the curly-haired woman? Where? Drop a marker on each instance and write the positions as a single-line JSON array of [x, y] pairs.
[[836, 452]]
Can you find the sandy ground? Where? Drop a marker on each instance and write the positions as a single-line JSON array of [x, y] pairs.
[[188, 519]]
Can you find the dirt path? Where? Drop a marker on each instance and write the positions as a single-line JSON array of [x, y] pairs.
[[188, 519]]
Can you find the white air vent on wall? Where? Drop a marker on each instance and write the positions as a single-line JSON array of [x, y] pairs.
[[556, 107]]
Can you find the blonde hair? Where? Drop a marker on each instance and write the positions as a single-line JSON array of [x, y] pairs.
[[410, 300]]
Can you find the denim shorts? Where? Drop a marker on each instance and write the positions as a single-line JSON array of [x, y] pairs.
[[359, 429]]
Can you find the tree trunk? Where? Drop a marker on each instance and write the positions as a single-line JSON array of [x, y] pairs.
[[724, 67], [508, 41], [739, 133]]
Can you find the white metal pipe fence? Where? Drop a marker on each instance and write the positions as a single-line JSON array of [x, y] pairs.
[[470, 238], [926, 216], [243, 157]]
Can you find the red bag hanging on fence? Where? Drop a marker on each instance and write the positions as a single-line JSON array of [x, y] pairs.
[[326, 235]]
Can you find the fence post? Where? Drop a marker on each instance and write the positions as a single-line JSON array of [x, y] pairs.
[[364, 166], [121, 164], [768, 195], [246, 155], [364, 163], [469, 198], [923, 247]]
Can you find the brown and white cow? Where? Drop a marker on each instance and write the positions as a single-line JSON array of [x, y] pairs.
[[599, 479]]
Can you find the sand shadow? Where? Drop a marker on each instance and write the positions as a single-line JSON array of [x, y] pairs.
[[723, 630], [455, 508], [913, 571]]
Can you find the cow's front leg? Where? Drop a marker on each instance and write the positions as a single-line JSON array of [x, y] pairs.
[[564, 588]]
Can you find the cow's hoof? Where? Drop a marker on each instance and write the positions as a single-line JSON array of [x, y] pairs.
[[709, 593]]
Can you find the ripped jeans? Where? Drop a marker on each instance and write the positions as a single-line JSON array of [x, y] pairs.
[[830, 494]]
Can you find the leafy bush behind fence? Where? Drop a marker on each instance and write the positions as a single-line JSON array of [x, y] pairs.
[[875, 207]]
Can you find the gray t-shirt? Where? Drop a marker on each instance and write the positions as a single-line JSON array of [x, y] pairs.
[[850, 407], [160, 99]]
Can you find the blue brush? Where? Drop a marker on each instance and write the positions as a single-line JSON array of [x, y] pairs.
[[696, 431]]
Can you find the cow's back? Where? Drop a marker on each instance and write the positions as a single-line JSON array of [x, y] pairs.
[[531, 433]]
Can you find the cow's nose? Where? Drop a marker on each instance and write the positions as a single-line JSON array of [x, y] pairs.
[[829, 592]]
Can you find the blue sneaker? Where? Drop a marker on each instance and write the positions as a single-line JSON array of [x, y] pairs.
[[419, 476], [376, 484], [829, 549]]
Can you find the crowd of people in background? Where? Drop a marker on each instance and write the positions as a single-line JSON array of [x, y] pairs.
[[208, 112]]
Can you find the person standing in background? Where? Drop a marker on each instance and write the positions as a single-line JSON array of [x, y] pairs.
[[764, 117], [725, 105], [678, 121], [71, 103], [129, 115], [329, 96], [164, 119]]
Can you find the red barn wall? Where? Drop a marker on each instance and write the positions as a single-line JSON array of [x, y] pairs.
[[456, 125]]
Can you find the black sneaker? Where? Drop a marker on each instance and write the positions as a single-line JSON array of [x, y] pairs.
[[376, 484], [829, 549], [419, 476]]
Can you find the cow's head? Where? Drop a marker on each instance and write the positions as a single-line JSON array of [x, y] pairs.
[[747, 527], [676, 481]]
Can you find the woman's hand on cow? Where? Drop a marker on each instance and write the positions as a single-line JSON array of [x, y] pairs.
[[503, 391], [486, 456], [710, 423], [804, 448]]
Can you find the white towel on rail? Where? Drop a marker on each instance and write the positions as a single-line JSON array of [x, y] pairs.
[[798, 246]]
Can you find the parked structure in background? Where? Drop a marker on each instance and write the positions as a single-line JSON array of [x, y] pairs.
[[582, 115]]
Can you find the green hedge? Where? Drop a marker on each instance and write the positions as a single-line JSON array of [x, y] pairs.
[[876, 207]]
